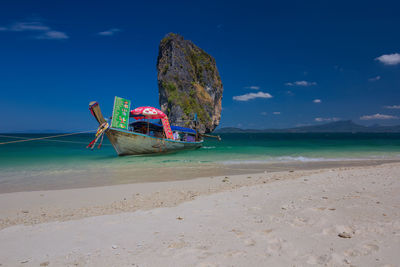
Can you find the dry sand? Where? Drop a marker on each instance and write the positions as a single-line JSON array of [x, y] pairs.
[[334, 217]]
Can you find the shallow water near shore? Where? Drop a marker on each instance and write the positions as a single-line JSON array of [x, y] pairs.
[[66, 163]]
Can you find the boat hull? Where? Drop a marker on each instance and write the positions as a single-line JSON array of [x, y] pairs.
[[131, 143]]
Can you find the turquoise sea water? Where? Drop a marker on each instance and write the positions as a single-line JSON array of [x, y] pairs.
[[24, 162], [71, 152]]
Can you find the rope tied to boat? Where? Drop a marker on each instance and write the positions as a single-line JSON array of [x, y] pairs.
[[99, 135], [40, 138]]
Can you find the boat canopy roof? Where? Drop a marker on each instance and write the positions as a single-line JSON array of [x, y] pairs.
[[159, 127], [147, 113], [183, 129]]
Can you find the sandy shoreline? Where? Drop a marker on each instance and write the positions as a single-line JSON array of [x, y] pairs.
[[53, 179], [275, 218], [40, 206]]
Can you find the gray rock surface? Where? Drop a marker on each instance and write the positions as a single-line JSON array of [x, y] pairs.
[[188, 84]]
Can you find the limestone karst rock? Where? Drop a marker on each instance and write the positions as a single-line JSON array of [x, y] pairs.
[[188, 84]]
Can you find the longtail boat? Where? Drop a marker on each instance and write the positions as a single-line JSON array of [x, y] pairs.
[[142, 137]]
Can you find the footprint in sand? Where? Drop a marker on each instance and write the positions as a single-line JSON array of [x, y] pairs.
[[314, 260], [177, 245], [237, 232], [235, 253], [203, 247], [329, 231], [299, 222], [352, 253], [249, 242], [370, 248], [204, 255], [274, 245], [266, 231]]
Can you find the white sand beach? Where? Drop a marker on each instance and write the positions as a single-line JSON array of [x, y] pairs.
[[347, 216]]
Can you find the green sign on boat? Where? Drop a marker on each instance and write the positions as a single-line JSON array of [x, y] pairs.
[[120, 116]]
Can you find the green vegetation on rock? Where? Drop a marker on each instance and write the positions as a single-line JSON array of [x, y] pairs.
[[200, 61], [189, 104], [189, 83]]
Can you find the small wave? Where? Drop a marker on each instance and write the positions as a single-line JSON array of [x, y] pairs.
[[308, 159], [289, 159], [303, 159], [208, 147]]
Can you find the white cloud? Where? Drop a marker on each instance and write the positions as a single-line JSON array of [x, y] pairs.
[[389, 59], [253, 87], [392, 107], [44, 31], [264, 113], [378, 116], [28, 26], [301, 83], [317, 101], [53, 35], [374, 79], [249, 96], [109, 32], [326, 119]]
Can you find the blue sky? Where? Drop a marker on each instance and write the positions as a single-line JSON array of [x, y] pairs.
[[282, 63]]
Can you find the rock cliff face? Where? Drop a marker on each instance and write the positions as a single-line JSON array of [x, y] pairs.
[[188, 84]]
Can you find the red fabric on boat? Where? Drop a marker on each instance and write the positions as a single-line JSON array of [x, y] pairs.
[[141, 113], [147, 113], [167, 128]]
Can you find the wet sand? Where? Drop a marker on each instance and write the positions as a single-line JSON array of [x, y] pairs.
[[334, 216], [19, 181]]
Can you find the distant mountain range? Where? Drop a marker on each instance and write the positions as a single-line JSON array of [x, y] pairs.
[[332, 127]]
